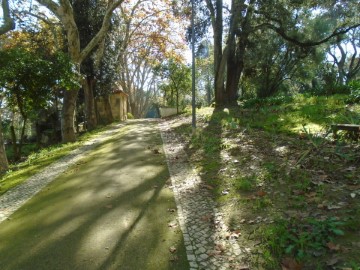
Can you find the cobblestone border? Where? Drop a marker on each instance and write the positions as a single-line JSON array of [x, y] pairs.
[[19, 195], [208, 242]]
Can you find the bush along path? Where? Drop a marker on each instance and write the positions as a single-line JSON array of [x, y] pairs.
[[113, 209], [209, 242]]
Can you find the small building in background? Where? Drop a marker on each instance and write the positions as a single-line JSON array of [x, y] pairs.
[[118, 101]]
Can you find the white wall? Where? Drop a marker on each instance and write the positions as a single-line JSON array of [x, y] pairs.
[[165, 112]]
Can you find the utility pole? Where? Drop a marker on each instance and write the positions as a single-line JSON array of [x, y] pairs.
[[193, 67]]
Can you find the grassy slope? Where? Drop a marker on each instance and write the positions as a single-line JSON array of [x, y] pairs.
[[291, 193]]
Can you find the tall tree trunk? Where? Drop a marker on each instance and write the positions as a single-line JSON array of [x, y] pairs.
[[109, 118], [22, 136], [134, 109], [14, 143], [216, 14], [4, 164], [237, 43], [234, 57], [218, 54], [235, 66], [177, 101], [88, 85], [68, 116]]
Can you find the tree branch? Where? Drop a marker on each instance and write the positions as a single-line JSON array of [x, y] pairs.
[[280, 31], [102, 32], [50, 5], [9, 23]]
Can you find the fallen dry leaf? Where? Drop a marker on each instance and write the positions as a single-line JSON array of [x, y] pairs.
[[311, 194], [297, 192], [291, 264], [172, 249], [333, 247], [220, 247], [261, 193], [208, 187], [323, 177]]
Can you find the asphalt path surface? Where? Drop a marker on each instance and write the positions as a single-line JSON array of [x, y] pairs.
[[111, 210]]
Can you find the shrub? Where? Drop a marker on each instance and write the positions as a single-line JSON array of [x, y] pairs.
[[354, 96], [329, 90], [130, 116], [270, 101]]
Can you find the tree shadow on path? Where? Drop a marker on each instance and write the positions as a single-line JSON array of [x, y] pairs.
[[110, 211]]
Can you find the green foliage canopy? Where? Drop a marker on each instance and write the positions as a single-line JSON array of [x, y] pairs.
[[27, 78]]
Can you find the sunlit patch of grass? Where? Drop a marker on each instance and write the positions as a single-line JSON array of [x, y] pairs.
[[284, 165], [245, 183], [316, 112], [261, 203]]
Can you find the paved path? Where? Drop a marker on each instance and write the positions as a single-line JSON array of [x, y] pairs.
[[111, 210], [16, 197], [209, 243], [115, 210]]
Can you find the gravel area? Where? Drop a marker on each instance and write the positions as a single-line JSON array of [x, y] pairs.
[[208, 241], [16, 197]]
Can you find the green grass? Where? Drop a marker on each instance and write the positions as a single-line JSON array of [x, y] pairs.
[[276, 163], [317, 113], [37, 160], [245, 183], [299, 240]]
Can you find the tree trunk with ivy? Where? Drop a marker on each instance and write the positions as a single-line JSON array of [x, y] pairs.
[[4, 164], [68, 116], [88, 85]]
